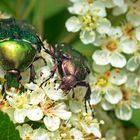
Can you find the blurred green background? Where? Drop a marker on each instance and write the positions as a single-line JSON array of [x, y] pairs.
[[49, 17]]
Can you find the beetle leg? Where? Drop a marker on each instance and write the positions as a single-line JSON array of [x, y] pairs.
[[51, 75], [32, 74], [3, 90], [73, 94], [87, 95]]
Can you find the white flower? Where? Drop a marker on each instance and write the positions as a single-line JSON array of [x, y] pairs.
[[106, 85], [112, 47], [54, 112], [26, 132], [90, 20], [131, 99], [20, 104]]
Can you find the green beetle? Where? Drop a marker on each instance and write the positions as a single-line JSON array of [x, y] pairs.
[[19, 46]]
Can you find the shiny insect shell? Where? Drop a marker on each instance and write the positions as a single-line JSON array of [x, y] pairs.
[[71, 67], [19, 46]]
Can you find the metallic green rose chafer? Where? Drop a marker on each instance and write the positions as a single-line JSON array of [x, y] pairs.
[[19, 46]]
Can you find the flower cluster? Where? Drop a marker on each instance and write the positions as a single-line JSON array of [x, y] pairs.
[[113, 28], [59, 116]]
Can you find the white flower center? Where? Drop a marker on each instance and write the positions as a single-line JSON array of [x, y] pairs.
[[111, 45], [129, 31], [20, 101], [102, 81], [88, 21]]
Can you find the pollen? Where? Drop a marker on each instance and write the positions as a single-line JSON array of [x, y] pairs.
[[102, 82], [129, 31], [89, 21], [111, 45]]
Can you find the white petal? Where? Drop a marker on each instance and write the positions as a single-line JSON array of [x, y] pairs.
[[101, 57], [132, 64], [106, 105], [87, 37], [95, 130], [79, 8], [63, 114], [137, 83], [20, 115], [108, 3], [32, 86], [113, 95], [1, 72], [119, 3], [98, 9], [118, 77], [138, 33], [117, 60], [123, 111], [120, 10], [45, 72], [135, 101], [99, 39], [133, 18], [95, 97], [40, 134], [73, 24], [131, 77], [52, 123], [104, 26], [55, 95], [111, 134], [128, 46], [76, 134], [35, 113], [100, 69], [24, 130], [75, 106], [36, 97], [116, 32]]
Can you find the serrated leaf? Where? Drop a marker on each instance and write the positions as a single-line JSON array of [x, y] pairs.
[[7, 128]]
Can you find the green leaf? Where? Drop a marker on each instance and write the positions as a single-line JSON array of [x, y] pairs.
[[7, 128], [136, 118]]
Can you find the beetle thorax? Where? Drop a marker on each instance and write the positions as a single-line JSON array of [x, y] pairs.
[[68, 83]]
